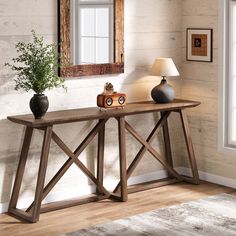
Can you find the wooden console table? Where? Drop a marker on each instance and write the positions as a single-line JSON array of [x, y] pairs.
[[121, 191]]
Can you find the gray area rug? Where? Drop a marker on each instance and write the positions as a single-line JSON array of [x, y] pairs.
[[213, 216]]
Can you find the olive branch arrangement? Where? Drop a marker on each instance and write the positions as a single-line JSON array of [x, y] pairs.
[[36, 66]]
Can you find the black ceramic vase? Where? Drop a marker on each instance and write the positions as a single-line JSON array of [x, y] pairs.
[[39, 105], [163, 93]]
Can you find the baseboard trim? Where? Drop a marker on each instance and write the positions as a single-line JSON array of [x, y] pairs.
[[111, 183], [216, 179]]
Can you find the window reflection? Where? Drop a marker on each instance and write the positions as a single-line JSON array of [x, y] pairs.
[[92, 30]]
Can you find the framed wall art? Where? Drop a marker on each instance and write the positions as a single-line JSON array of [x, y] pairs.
[[199, 44]]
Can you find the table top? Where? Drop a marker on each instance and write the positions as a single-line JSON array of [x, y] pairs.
[[94, 113]]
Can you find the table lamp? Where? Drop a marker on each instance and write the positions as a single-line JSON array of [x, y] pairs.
[[163, 93]]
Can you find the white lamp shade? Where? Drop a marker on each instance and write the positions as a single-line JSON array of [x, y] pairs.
[[164, 67]]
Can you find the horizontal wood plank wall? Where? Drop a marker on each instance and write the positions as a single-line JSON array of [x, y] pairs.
[[200, 81]]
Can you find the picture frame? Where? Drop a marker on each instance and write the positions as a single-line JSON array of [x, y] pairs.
[[199, 44]]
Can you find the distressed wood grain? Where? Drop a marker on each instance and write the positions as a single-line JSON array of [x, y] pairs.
[[65, 71]]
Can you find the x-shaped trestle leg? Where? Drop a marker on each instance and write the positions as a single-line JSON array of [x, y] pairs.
[[168, 164], [34, 210], [73, 159]]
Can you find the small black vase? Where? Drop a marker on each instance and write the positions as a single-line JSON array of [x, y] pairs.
[[39, 105]]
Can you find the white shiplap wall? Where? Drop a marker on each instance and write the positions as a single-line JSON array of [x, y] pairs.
[[200, 82], [150, 32]]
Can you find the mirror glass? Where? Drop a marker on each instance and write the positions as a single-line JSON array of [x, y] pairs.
[[92, 29], [91, 37]]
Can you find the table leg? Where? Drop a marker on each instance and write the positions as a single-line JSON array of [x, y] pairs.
[[166, 137], [143, 150], [189, 145], [41, 174], [72, 159], [21, 168], [100, 156], [122, 156]]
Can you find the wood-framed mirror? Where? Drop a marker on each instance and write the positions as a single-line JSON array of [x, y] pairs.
[[91, 37]]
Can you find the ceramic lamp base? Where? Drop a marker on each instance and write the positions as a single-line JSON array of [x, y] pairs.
[[163, 93]]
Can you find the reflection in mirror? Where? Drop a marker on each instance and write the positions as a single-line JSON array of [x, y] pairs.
[[92, 27], [91, 37]]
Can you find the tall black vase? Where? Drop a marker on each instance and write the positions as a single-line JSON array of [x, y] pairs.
[[39, 105]]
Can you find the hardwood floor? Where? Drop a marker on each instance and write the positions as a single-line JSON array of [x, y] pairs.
[[74, 218]]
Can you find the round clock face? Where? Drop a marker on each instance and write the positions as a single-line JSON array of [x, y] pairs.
[[109, 101], [121, 100]]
